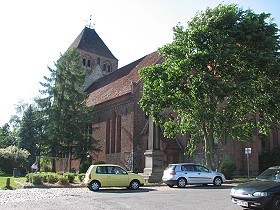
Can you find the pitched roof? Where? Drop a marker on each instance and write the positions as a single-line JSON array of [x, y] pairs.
[[118, 82], [90, 41]]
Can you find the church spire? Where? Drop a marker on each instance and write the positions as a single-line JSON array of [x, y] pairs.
[[90, 24]]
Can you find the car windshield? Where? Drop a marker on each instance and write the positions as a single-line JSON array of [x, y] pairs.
[[270, 174]]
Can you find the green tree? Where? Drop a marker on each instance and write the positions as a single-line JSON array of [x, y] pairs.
[[219, 80], [28, 135], [5, 136], [64, 106]]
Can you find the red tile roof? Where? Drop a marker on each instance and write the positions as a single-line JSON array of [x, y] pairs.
[[118, 83]]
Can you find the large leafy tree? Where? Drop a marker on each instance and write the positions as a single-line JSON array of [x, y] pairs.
[[219, 80], [66, 113]]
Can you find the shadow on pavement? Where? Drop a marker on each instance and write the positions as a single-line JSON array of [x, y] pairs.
[[123, 190], [206, 187]]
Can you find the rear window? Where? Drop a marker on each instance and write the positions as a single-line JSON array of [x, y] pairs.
[[170, 167], [89, 169]]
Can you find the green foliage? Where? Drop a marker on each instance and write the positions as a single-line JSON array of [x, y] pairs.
[[45, 164], [5, 136], [52, 178], [81, 177], [13, 157], [28, 133], [268, 159], [84, 166], [37, 178], [228, 168], [63, 104], [28, 177], [218, 74], [62, 180], [70, 177]]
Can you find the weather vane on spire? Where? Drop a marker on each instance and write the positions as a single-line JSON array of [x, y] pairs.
[[90, 23]]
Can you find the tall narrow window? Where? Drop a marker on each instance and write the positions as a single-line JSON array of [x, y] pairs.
[[109, 68], [84, 61], [88, 63], [107, 145], [118, 146], [113, 133], [104, 67]]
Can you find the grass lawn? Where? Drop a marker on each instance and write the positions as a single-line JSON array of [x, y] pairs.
[[13, 184]]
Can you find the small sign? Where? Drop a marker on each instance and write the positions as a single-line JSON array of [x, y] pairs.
[[248, 150]]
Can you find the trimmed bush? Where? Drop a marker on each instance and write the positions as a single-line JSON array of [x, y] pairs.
[[52, 178], [70, 177], [37, 179], [63, 180], [29, 177], [81, 177], [228, 168]]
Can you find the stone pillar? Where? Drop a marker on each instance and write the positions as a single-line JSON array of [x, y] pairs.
[[153, 156]]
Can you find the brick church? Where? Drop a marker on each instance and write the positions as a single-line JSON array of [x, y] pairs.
[[127, 136]]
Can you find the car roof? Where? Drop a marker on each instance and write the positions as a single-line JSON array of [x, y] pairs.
[[175, 164], [105, 164], [274, 167]]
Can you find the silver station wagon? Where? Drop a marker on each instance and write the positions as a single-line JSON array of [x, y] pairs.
[[182, 174]]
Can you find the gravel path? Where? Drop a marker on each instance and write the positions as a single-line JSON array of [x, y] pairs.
[[17, 198]]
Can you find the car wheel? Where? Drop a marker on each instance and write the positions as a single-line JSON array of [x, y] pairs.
[[134, 184], [94, 186], [276, 203], [181, 182], [170, 185], [217, 181]]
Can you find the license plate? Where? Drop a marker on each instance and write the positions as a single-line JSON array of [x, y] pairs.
[[242, 203]]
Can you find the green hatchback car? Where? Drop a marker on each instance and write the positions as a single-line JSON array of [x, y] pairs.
[[110, 175]]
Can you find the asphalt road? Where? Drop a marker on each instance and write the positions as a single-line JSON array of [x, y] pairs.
[[158, 197]]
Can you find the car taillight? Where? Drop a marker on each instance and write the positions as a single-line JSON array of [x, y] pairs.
[[173, 173], [89, 177]]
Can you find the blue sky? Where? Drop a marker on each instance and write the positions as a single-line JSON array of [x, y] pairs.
[[34, 33]]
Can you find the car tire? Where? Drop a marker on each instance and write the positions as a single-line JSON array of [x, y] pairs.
[[276, 203], [134, 184], [181, 182], [94, 186], [170, 185], [217, 181]]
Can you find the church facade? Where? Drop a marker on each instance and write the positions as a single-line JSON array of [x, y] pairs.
[[126, 135]]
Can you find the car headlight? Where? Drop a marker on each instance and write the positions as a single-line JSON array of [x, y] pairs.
[[260, 194]]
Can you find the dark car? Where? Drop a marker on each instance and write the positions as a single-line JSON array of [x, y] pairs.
[[262, 193]]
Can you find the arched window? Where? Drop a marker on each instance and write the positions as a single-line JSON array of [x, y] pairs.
[[84, 61], [88, 63], [104, 67], [109, 68], [107, 145], [113, 133], [118, 142]]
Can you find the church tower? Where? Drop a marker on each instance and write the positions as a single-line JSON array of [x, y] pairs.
[[96, 57]]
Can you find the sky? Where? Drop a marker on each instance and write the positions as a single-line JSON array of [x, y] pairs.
[[35, 33]]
